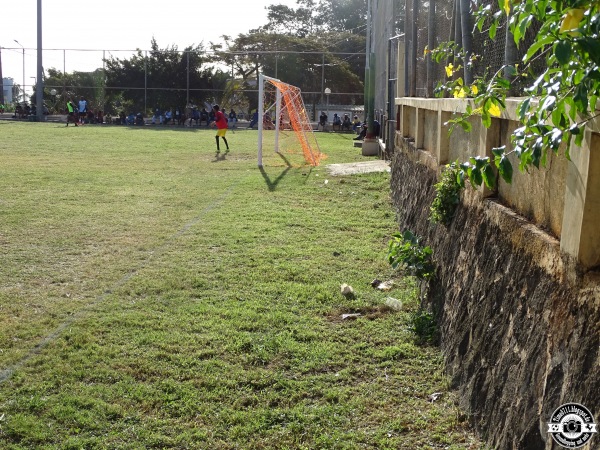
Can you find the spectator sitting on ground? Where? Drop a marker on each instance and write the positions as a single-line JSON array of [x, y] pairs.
[[376, 128], [363, 133], [268, 122], [346, 124], [195, 117], [232, 118], [355, 124], [323, 119], [168, 116], [89, 116], [131, 119], [157, 117], [336, 119], [254, 120]]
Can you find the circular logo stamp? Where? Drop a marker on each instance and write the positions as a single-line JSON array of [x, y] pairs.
[[572, 425]]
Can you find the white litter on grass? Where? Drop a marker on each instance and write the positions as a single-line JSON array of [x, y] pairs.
[[351, 316], [382, 285], [346, 289], [433, 397], [393, 303]]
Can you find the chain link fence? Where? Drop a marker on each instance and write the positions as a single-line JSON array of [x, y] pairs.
[[87, 67], [433, 22]]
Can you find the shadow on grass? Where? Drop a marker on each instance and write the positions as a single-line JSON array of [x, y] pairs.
[[273, 184], [220, 156]]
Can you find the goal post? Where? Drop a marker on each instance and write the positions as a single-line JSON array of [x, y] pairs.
[[283, 123]]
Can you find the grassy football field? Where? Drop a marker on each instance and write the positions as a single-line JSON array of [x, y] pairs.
[[155, 294]]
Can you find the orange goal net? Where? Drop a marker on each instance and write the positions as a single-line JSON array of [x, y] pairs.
[[283, 123]]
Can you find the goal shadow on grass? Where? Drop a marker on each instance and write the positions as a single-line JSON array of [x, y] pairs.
[[272, 184]]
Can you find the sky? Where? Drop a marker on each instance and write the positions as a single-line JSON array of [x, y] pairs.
[[114, 26]]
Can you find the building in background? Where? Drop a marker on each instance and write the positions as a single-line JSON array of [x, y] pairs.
[[7, 87], [384, 78]]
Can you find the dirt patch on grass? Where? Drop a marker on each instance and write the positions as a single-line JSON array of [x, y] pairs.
[[367, 312]]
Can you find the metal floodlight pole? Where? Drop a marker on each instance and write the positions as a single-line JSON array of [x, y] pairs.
[[39, 89], [22, 87], [187, 88], [1, 80], [145, 82]]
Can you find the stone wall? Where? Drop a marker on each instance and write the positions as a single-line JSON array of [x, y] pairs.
[[520, 326]]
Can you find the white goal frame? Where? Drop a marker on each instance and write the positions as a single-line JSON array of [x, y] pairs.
[[277, 105]]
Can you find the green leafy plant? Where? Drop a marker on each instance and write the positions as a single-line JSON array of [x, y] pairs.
[[405, 251], [424, 326], [447, 195], [558, 103]]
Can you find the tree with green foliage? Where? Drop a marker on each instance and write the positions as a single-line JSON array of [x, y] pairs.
[[295, 60], [164, 73], [89, 85], [558, 103], [311, 17]]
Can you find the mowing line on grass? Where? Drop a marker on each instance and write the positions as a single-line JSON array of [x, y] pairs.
[[7, 373]]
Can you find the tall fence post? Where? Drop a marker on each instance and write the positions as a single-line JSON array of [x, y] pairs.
[[431, 45], [39, 89], [467, 39], [1, 82], [407, 80], [145, 81], [413, 56], [187, 88], [511, 56]]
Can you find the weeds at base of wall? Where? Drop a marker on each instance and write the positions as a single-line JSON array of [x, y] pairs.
[[424, 325], [447, 195], [407, 253]]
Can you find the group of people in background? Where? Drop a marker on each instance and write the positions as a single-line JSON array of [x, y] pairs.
[[190, 116], [23, 111], [344, 124], [77, 115], [80, 113]]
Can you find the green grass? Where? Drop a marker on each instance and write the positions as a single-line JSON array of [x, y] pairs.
[[154, 294]]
